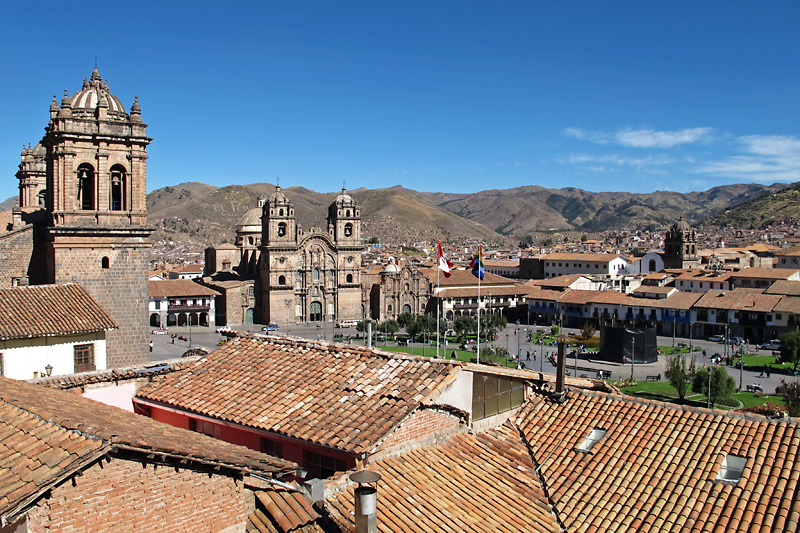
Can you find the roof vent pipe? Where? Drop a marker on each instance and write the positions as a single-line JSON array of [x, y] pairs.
[[366, 500]]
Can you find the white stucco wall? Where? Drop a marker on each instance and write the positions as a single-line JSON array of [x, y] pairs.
[[23, 357]]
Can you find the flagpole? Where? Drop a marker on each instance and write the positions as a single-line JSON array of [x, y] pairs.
[[438, 270], [479, 306]]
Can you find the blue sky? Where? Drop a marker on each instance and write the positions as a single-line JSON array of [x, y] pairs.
[[453, 96]]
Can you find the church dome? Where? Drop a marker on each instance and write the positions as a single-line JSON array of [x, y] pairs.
[[277, 197], [93, 93], [680, 226], [344, 199], [391, 268], [251, 218]]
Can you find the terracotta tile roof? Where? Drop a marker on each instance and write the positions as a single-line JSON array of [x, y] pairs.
[[179, 287], [46, 435], [580, 297], [676, 300], [283, 511], [794, 251], [191, 268], [459, 277], [473, 291], [785, 287], [341, 396], [764, 273], [48, 310], [738, 300], [788, 304], [536, 293], [561, 281], [650, 289], [655, 469], [484, 482]]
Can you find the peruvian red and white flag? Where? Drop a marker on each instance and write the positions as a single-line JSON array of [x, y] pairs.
[[444, 265]]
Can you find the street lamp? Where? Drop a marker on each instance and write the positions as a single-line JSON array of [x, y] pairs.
[[541, 354], [288, 302], [633, 353]]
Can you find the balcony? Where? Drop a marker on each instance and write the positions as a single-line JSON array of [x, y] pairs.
[[183, 308]]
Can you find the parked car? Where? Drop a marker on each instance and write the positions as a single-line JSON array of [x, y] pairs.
[[272, 326], [736, 340], [160, 331], [224, 329], [774, 344], [716, 338], [347, 324]]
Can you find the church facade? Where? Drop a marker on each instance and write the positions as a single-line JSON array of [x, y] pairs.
[[300, 276], [83, 190]]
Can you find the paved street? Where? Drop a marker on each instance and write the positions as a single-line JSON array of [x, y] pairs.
[[513, 338]]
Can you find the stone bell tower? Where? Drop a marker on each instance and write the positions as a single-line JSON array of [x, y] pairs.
[[96, 235]]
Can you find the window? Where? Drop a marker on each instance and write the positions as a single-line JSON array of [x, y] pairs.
[[281, 229], [86, 187], [204, 427], [272, 447], [590, 440], [732, 469], [117, 188], [104, 263], [322, 466], [349, 278], [43, 198], [84, 358], [492, 395], [348, 230], [315, 274], [2, 366], [281, 280]]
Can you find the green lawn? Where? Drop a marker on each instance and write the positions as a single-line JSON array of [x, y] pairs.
[[461, 355], [664, 392]]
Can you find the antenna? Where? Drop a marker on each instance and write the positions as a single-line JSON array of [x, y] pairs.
[[95, 61], [278, 181], [344, 183]]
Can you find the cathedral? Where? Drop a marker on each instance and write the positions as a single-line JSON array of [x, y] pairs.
[[82, 212], [295, 275]]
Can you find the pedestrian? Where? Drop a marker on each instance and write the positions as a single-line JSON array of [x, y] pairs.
[[151, 346], [528, 358], [704, 353], [768, 369]]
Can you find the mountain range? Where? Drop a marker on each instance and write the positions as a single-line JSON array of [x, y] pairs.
[[205, 214]]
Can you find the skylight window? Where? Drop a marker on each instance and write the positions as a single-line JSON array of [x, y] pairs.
[[590, 440], [732, 468]]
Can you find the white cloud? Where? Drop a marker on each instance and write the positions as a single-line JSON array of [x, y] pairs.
[[606, 160], [767, 158], [642, 138]]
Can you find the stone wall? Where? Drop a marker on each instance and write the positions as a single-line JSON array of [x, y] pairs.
[[16, 250], [119, 285]]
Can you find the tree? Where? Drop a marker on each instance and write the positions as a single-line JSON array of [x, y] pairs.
[[554, 329], [414, 326], [361, 326], [722, 385], [791, 397], [464, 325], [405, 319], [390, 327], [491, 324], [677, 373], [588, 329], [790, 347]]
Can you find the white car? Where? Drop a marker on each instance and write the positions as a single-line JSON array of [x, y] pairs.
[[224, 329], [774, 344]]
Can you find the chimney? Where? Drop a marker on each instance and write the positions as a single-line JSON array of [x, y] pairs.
[[561, 367], [316, 491], [366, 500]]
